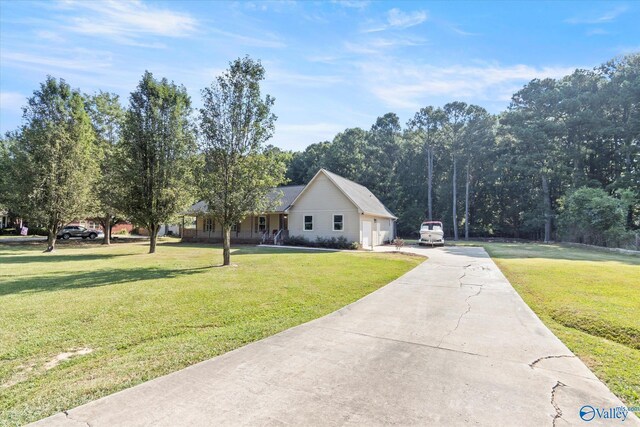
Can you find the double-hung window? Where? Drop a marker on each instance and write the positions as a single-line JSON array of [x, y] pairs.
[[338, 223], [308, 223], [209, 225]]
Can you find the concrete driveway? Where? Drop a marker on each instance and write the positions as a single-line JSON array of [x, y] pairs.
[[449, 343]]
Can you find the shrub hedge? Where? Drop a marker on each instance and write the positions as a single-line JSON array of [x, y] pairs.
[[321, 242]]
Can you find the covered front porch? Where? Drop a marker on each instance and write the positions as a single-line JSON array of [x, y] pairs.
[[271, 227]]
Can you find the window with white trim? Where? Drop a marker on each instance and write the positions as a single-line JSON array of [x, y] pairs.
[[308, 223], [262, 223], [338, 222], [209, 225]]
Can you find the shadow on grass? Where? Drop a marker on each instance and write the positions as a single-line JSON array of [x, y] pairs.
[[7, 257], [91, 279], [546, 251], [247, 249]]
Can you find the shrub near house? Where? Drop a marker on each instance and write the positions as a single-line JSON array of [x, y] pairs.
[[320, 242]]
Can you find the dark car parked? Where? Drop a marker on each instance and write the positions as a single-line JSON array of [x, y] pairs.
[[78, 231]]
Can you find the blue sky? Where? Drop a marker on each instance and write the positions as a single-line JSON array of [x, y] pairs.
[[330, 65]]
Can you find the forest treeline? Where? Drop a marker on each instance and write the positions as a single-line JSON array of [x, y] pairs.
[[562, 162]]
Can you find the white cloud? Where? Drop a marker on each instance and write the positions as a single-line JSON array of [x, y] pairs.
[[76, 59], [325, 59], [297, 79], [412, 85], [354, 4], [626, 50], [126, 21], [602, 18], [12, 101], [397, 19], [269, 41], [462, 32], [298, 136], [374, 46], [50, 36], [597, 32]]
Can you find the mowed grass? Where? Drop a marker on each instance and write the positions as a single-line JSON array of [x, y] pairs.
[[589, 299], [142, 316]]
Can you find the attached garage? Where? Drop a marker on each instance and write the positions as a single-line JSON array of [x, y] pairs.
[[333, 206]]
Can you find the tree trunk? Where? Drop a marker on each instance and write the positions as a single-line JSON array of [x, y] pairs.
[[429, 182], [547, 209], [51, 239], [153, 234], [455, 199], [226, 245], [106, 225], [466, 207]]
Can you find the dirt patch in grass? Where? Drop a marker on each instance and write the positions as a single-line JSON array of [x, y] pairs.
[[66, 356]]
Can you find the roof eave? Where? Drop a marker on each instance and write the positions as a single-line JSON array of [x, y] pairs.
[[381, 215]]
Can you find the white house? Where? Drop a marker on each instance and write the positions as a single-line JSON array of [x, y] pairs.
[[328, 206], [4, 219]]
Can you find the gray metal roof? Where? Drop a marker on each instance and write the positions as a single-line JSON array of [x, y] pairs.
[[287, 194], [360, 195]]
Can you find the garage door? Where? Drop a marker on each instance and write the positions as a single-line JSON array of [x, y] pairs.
[[366, 234]]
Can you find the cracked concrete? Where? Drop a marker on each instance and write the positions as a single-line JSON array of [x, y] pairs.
[[462, 315], [448, 343], [540, 359], [558, 414]]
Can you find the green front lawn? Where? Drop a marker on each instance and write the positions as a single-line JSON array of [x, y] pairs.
[[589, 299], [126, 317]]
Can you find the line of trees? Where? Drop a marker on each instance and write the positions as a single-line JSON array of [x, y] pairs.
[[562, 162], [519, 170], [78, 156]]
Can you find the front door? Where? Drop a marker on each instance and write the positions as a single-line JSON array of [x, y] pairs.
[[366, 234], [284, 222]]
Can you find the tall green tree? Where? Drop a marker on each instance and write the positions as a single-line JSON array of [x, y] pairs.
[[107, 117], [621, 98], [590, 215], [156, 154], [238, 172], [428, 122], [304, 165], [477, 140], [6, 192], [457, 115], [381, 157], [537, 128], [52, 159], [347, 154]]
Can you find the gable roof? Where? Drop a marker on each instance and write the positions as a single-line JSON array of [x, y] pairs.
[[358, 194], [286, 193], [289, 194]]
